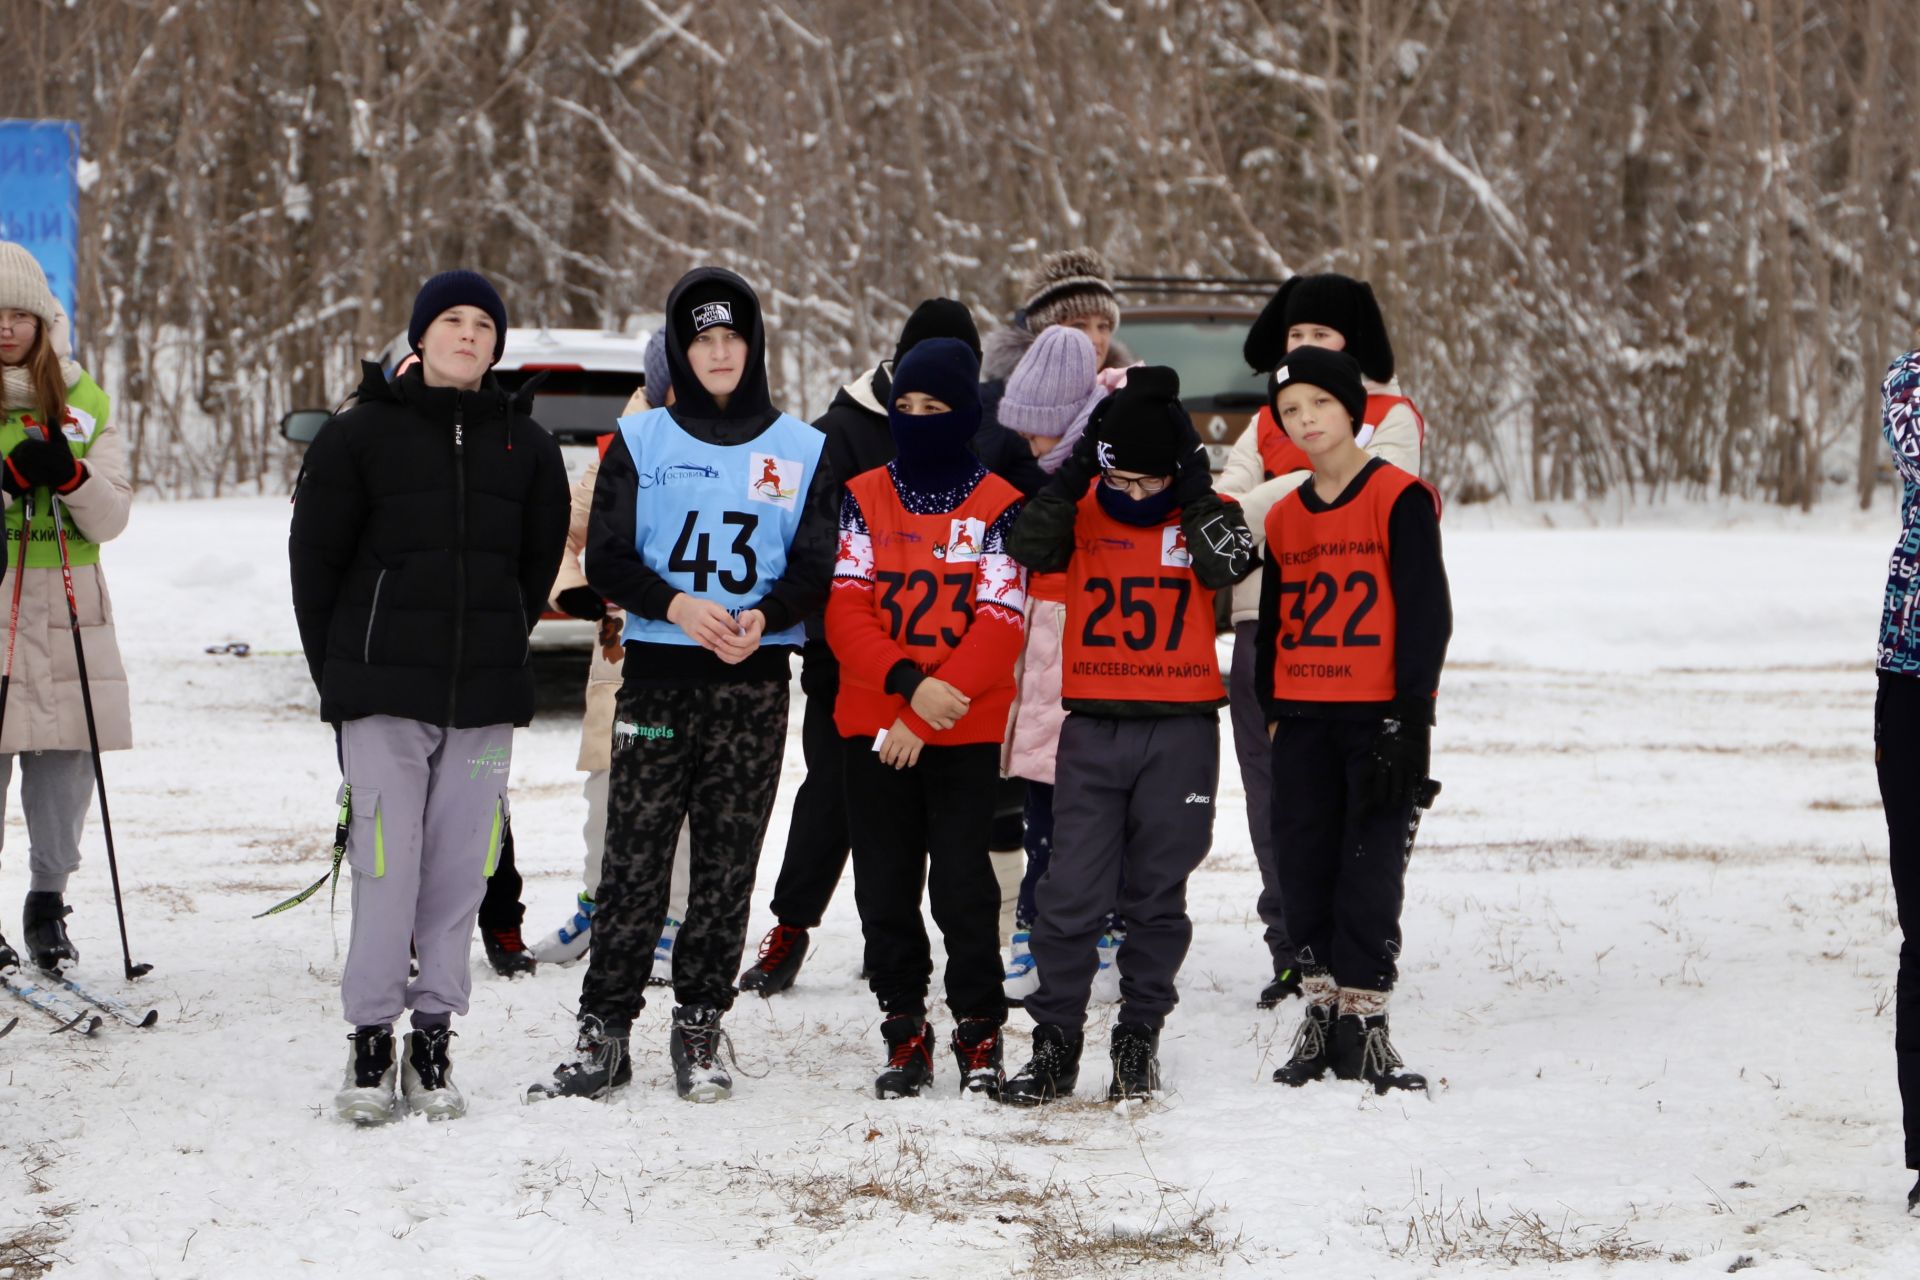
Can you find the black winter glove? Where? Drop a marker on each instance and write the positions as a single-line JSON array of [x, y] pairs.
[[1397, 764], [43, 462], [1082, 465], [583, 603], [1194, 480]]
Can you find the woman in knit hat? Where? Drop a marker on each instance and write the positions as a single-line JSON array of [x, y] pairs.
[[58, 444], [1048, 401], [1067, 290]]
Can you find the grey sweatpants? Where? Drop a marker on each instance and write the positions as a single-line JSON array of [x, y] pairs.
[[428, 805], [56, 789], [1255, 752], [1132, 818]]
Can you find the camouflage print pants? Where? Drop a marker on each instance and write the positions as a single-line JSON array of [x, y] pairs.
[[709, 755]]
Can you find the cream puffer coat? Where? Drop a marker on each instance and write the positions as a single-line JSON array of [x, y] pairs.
[[1396, 439], [44, 710]]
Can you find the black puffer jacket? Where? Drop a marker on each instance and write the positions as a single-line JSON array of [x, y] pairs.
[[427, 526]]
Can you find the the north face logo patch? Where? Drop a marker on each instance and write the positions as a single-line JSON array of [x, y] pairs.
[[709, 314], [771, 479]]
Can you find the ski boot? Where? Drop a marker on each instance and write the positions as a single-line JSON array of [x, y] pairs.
[[909, 1067], [1362, 1051], [781, 952], [1285, 984], [9, 958], [1023, 977], [978, 1049], [507, 952], [1310, 1044], [1051, 1072], [662, 974], [426, 1076], [600, 1065], [44, 922], [366, 1094], [1106, 978], [571, 940], [696, 1048], [1136, 1063]]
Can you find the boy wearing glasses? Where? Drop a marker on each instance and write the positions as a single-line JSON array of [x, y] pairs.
[[1132, 519]]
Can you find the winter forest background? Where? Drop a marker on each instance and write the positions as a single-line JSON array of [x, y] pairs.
[[1652, 248]]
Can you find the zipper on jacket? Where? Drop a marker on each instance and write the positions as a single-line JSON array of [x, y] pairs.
[[367, 655], [459, 558]]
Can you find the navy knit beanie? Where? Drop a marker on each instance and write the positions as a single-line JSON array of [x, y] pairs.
[[944, 368], [452, 289]]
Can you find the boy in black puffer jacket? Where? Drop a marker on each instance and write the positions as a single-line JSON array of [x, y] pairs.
[[427, 525]]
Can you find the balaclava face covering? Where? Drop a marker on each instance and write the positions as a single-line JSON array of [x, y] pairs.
[[932, 454]]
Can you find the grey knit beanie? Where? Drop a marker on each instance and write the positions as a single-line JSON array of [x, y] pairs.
[[653, 362], [23, 285], [1051, 384], [1067, 286]]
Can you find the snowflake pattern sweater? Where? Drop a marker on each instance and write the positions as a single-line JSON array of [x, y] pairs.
[[923, 586]]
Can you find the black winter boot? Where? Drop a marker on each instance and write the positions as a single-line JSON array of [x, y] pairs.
[[909, 1066], [9, 958], [695, 1048], [978, 1049], [600, 1065], [45, 926], [1362, 1051], [1136, 1062], [1913, 1198], [781, 952], [1051, 1072], [1310, 1045], [1286, 983], [507, 951]]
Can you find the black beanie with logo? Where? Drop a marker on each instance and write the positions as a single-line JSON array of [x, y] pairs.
[[1143, 427], [710, 302], [1335, 372]]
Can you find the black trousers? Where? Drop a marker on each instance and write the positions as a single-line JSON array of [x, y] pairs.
[[502, 909], [710, 756], [817, 839], [925, 830], [1896, 757], [1342, 864]]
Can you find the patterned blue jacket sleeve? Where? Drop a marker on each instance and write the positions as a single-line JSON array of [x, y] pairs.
[[1901, 424], [1899, 648]]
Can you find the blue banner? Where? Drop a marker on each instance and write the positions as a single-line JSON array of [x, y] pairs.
[[40, 198]]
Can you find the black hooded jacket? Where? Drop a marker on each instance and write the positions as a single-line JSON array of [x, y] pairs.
[[614, 565], [427, 526]]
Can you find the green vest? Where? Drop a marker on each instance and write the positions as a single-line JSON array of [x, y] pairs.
[[87, 407]]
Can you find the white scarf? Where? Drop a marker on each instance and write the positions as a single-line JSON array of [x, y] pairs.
[[18, 392]]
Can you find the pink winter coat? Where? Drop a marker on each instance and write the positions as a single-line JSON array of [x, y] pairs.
[[1033, 729]]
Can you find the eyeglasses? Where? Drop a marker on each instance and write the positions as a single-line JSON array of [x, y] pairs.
[[24, 321], [1147, 485]]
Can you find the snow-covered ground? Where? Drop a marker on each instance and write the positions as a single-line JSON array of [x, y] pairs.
[[1649, 965]]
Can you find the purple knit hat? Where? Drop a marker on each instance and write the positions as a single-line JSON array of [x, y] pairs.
[[1052, 384], [653, 362]]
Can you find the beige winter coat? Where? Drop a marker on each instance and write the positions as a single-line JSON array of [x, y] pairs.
[[1396, 439], [44, 710]]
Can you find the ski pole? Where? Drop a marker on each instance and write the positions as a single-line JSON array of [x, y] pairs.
[[13, 624], [93, 732]]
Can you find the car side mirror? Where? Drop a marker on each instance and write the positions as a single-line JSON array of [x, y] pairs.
[[302, 425]]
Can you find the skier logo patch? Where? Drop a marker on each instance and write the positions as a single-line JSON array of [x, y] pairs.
[[709, 314], [771, 479], [963, 541], [1173, 549], [79, 425]]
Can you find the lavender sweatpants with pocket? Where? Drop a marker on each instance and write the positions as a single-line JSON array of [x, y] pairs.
[[428, 805]]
